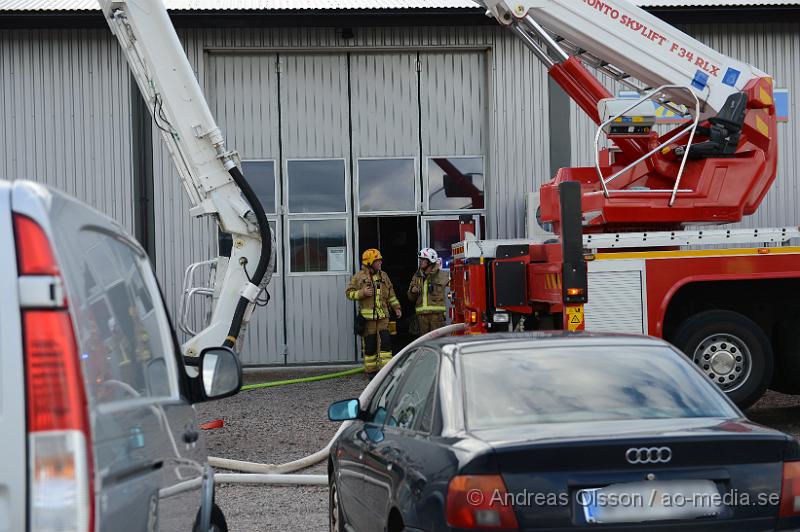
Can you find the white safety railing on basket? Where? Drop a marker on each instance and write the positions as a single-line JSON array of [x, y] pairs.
[[190, 290], [690, 131]]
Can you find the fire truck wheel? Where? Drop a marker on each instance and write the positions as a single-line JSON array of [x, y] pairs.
[[731, 349], [787, 357]]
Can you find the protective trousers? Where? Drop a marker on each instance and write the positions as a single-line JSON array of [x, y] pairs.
[[377, 345], [430, 321]]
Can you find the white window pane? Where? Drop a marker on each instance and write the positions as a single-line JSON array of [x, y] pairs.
[[316, 186], [318, 245], [261, 176], [455, 183], [386, 185]]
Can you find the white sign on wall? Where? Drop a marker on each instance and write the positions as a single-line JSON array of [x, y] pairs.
[[337, 259]]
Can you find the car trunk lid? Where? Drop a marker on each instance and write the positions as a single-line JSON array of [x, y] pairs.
[[549, 469]]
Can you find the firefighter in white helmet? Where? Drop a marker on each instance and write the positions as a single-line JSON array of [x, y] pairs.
[[427, 292]]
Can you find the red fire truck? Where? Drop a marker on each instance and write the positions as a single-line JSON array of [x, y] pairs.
[[620, 255]]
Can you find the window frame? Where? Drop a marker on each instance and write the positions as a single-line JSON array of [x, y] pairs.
[[316, 218], [285, 209], [426, 200], [425, 237], [357, 186]]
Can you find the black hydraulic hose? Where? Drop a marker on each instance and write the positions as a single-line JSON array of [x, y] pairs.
[[263, 259]]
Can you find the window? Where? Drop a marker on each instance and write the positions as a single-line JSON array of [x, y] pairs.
[[316, 186], [318, 246], [412, 409], [455, 183], [386, 185], [261, 176], [442, 234], [123, 331], [579, 384], [383, 397]]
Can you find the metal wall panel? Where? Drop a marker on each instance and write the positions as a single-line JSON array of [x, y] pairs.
[[315, 121], [775, 49], [65, 102], [242, 91], [453, 103], [385, 105]]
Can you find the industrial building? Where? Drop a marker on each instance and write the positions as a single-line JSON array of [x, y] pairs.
[[345, 114]]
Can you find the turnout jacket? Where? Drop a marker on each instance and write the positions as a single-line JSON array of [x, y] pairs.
[[383, 294], [432, 286]]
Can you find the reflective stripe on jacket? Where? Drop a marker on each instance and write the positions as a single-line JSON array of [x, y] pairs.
[[383, 294], [432, 287]]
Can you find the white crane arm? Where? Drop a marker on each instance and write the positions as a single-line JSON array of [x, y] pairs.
[[206, 168], [634, 41]]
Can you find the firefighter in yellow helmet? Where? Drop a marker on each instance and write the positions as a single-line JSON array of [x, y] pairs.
[[374, 292], [427, 292]]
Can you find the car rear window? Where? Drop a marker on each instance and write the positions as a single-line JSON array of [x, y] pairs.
[[577, 384]]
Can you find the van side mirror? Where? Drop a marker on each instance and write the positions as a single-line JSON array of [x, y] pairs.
[[220, 372]]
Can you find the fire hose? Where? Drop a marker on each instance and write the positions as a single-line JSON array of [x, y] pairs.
[[279, 474]]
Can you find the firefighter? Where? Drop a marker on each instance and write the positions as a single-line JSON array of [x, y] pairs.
[[374, 292], [427, 292]]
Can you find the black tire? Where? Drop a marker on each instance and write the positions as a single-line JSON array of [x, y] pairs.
[[787, 357], [731, 349], [335, 518], [218, 522]]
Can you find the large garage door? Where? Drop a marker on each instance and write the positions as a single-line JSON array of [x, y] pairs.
[[316, 151], [395, 136]]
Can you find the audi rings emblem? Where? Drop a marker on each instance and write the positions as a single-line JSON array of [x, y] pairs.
[[648, 455]]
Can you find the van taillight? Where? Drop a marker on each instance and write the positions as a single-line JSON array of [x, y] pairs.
[[59, 442], [34, 254]]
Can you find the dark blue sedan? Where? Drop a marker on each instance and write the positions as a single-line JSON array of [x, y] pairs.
[[554, 432]]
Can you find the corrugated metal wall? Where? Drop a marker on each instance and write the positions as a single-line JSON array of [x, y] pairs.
[[775, 49], [65, 105]]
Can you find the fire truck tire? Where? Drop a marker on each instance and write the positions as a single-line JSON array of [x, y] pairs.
[[731, 349], [787, 356]]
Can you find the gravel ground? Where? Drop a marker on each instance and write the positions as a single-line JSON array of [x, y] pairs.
[[276, 425]]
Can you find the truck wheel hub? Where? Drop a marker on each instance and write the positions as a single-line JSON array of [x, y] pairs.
[[725, 360]]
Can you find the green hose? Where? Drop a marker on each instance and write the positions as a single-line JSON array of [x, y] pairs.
[[303, 379]]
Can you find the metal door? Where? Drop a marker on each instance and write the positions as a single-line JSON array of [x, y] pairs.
[[317, 207], [243, 95]]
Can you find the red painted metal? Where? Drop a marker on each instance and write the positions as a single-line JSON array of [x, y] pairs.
[[666, 276], [724, 189]]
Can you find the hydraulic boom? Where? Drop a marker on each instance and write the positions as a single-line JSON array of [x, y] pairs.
[[208, 170]]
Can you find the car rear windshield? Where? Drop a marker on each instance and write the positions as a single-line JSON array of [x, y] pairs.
[[577, 384]]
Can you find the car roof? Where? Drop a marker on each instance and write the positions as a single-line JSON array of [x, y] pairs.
[[540, 339]]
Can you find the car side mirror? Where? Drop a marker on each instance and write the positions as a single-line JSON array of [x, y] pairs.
[[220, 372], [344, 410]]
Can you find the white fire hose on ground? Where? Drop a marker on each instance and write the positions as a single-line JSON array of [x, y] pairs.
[[278, 474]]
